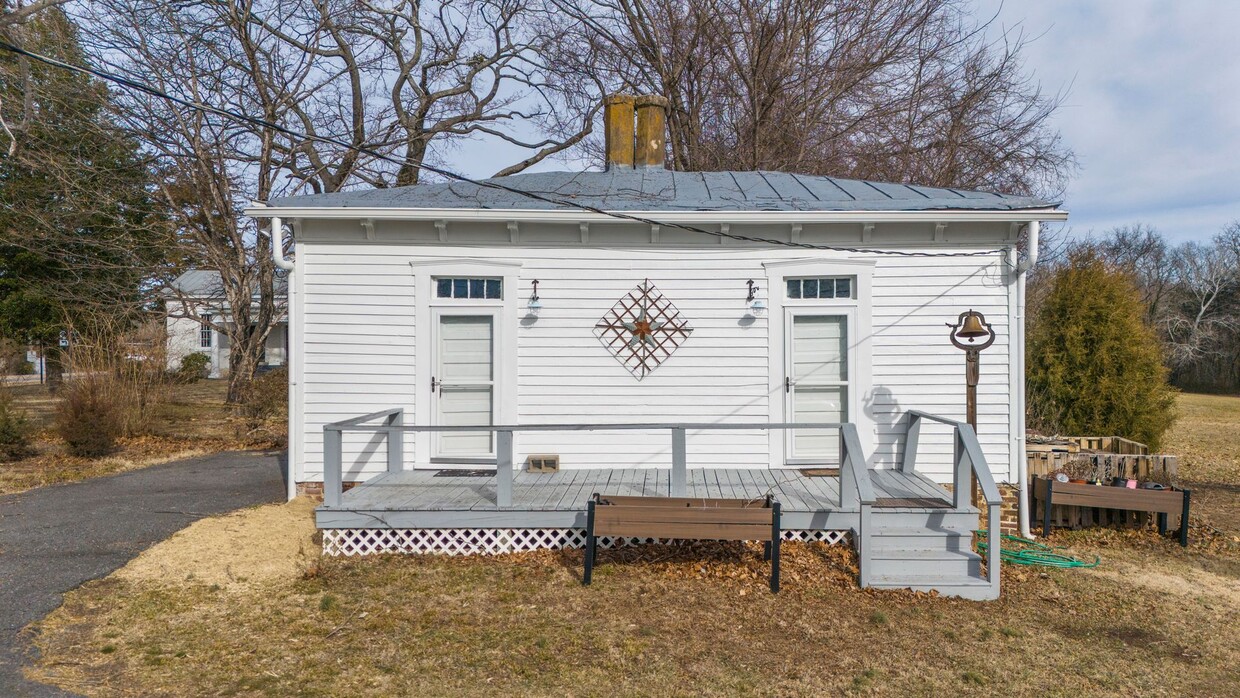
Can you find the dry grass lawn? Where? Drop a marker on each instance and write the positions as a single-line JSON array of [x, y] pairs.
[[195, 421], [241, 605]]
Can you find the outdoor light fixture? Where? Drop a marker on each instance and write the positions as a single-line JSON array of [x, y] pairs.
[[535, 304], [969, 327], [756, 305]]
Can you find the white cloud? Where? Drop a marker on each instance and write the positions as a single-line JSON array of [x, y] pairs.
[[1153, 110]]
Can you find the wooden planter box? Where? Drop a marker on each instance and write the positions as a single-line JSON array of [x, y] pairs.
[[1162, 503]]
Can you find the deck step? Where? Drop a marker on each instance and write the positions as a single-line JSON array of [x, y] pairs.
[[897, 539], [912, 564], [933, 519], [968, 587]]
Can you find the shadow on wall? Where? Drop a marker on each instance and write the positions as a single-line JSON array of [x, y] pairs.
[[880, 404]]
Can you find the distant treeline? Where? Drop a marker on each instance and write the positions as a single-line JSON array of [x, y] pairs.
[[1190, 292]]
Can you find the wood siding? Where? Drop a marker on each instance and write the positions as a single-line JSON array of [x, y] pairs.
[[359, 351]]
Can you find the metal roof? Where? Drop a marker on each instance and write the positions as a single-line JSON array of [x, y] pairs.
[[206, 284], [665, 190]]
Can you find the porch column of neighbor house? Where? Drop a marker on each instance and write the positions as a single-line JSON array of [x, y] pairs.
[[651, 131], [618, 130]]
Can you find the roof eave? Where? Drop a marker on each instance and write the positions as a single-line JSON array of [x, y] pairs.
[[259, 210]]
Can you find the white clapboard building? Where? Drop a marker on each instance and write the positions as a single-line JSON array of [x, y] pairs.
[[652, 332]]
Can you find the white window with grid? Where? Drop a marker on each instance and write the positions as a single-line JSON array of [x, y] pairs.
[[206, 333]]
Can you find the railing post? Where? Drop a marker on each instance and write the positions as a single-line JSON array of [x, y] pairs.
[[993, 558], [503, 469], [679, 467], [332, 457], [849, 494], [396, 442], [909, 463], [962, 488], [862, 544]]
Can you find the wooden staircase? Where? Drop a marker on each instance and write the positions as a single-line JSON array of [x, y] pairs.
[[927, 549], [926, 543]]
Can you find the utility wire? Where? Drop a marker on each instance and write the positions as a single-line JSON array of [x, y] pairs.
[[490, 184]]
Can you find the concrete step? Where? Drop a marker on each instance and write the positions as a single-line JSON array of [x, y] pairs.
[[925, 563]]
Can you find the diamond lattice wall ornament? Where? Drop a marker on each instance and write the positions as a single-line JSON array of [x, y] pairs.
[[642, 329]]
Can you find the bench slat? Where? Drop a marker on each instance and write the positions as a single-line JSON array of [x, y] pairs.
[[673, 515], [698, 502], [688, 531]]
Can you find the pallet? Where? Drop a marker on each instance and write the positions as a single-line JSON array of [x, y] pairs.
[[683, 518]]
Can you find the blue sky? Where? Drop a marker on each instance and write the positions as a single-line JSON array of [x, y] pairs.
[[1151, 108]]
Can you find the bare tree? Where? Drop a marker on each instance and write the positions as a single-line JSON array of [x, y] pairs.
[[883, 89], [1206, 284], [12, 13], [403, 80], [1142, 251]]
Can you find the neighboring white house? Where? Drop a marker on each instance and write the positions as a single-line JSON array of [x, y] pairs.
[[798, 299], [198, 294]]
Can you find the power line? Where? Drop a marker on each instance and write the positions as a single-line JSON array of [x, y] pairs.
[[490, 184]]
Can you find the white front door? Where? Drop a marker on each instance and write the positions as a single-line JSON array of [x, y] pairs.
[[816, 383], [464, 384]]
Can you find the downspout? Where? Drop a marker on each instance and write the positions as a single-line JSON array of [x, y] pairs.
[[281, 262], [1022, 462]]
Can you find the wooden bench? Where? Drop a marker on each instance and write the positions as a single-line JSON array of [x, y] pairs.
[[1162, 502], [683, 518]]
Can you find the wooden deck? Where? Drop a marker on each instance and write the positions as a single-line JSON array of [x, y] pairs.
[[446, 499]]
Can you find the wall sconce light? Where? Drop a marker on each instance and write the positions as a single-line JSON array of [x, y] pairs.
[[534, 305], [756, 305]]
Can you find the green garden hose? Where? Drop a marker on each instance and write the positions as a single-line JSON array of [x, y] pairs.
[[1034, 553]]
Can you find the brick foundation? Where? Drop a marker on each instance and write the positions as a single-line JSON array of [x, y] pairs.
[[315, 489], [1009, 516]]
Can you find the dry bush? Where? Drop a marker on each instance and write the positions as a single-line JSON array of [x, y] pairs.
[[15, 429], [128, 370], [264, 403], [90, 420]]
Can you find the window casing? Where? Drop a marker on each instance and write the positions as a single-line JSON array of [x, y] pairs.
[[206, 332]]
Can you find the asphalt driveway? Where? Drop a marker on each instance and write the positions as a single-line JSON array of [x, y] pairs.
[[53, 539]]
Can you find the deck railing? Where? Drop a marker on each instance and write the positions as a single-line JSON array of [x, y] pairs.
[[968, 462], [856, 491]]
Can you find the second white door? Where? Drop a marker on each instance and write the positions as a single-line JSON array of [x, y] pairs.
[[464, 384], [816, 384]]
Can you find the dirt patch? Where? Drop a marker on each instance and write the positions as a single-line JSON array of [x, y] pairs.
[[251, 547], [1188, 583]]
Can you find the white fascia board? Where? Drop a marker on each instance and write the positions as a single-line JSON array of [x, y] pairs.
[[570, 216]]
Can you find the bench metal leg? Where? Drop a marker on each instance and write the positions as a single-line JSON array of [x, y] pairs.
[[1162, 524], [776, 535], [1184, 521], [1046, 504], [591, 544]]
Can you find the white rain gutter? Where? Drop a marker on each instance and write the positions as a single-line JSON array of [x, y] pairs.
[[259, 210], [1022, 462], [278, 258]]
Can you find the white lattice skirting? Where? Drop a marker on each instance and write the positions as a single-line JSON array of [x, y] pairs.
[[495, 541]]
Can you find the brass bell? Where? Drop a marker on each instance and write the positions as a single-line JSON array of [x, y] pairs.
[[973, 326]]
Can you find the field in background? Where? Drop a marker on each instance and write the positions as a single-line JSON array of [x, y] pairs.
[[1153, 619], [1206, 436], [194, 421]]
